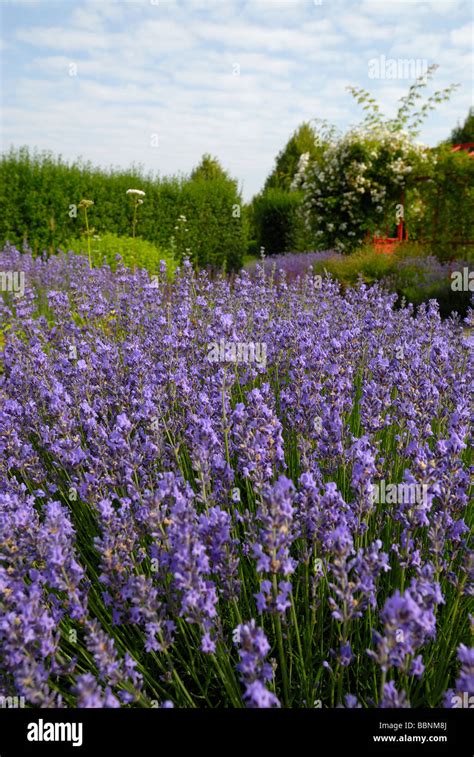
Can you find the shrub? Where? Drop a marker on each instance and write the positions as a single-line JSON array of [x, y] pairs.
[[106, 247], [217, 232], [354, 189], [277, 220], [411, 272]]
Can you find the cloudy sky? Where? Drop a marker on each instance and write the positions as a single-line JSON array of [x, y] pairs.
[[160, 82]]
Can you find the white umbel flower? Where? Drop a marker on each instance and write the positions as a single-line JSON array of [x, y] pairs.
[[136, 192]]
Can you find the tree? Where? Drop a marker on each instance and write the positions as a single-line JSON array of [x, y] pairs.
[[302, 141], [465, 133], [208, 169]]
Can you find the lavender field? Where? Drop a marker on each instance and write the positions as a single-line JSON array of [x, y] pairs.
[[224, 492]]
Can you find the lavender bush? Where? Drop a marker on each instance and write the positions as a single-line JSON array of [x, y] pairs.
[[285, 526], [291, 264]]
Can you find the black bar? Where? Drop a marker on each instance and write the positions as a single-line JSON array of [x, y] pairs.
[[317, 731]]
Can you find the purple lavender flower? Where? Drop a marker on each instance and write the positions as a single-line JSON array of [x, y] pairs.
[[255, 672], [409, 622], [190, 566], [276, 535], [90, 694], [150, 498], [393, 698], [257, 437]]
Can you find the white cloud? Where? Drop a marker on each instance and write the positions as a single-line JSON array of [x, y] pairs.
[[464, 36], [56, 37], [363, 27]]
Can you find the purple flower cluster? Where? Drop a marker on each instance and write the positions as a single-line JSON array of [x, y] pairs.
[[255, 672], [463, 694], [409, 622]]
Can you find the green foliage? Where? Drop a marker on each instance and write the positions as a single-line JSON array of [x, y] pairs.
[[40, 194], [216, 226], [302, 141], [209, 169], [440, 207], [465, 133], [365, 264], [277, 220], [106, 247]]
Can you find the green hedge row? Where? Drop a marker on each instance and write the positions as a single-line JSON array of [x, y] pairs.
[[277, 221], [39, 193]]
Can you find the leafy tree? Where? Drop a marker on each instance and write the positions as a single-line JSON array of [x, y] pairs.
[[302, 141], [465, 133], [208, 169]]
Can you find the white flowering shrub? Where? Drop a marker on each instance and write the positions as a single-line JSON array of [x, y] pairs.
[[355, 188]]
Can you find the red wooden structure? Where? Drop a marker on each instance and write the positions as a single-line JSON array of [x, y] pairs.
[[468, 146], [389, 244]]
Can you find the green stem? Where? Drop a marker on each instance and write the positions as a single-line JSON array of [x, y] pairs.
[[281, 651], [134, 226], [88, 238]]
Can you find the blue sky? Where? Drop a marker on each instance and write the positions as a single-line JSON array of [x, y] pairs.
[[160, 82]]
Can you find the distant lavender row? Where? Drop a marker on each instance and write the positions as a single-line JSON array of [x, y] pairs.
[[233, 493], [292, 263]]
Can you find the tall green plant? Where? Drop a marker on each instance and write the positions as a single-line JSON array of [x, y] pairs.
[[410, 113], [277, 220], [84, 205]]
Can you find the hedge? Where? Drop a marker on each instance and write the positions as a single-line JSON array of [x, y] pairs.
[[39, 193], [277, 221]]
